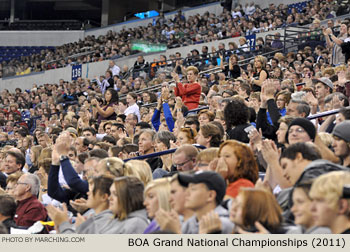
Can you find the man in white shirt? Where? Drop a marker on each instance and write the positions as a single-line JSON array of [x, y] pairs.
[[114, 68]]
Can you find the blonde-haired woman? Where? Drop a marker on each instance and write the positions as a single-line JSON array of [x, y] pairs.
[[156, 194], [260, 74], [110, 166], [35, 152], [139, 169]]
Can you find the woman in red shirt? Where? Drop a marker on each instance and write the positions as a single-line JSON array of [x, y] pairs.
[[190, 92]]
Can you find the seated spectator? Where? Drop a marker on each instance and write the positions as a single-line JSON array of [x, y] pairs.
[[7, 212], [205, 192], [330, 201], [29, 209]]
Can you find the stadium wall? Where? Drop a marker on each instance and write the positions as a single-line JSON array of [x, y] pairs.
[[57, 38], [90, 70], [39, 38]]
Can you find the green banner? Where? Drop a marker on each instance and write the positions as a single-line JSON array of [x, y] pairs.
[[147, 47]]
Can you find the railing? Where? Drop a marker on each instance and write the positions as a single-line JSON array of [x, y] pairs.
[[161, 153], [326, 113]]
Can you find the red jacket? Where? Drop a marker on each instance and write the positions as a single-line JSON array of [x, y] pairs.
[[190, 94], [232, 189], [29, 211]]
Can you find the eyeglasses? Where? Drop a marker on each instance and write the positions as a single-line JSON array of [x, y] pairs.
[[182, 164], [21, 183], [298, 130]]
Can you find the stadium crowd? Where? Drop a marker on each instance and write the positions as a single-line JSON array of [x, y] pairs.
[[176, 32], [81, 153]]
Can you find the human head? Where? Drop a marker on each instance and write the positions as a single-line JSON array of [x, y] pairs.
[[295, 158], [7, 206], [209, 135], [331, 200], [99, 191], [156, 196], [205, 116], [252, 205], [300, 130], [283, 128], [240, 161], [112, 166], [146, 143], [214, 188], [239, 109], [27, 185], [126, 196], [163, 140], [204, 158], [14, 161], [187, 135], [184, 157], [139, 169], [301, 208], [341, 139]]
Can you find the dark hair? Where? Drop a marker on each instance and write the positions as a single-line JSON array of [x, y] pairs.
[[109, 139], [240, 111], [144, 125], [345, 112], [129, 191], [115, 97], [165, 137], [133, 95], [213, 131], [307, 150], [92, 130], [7, 205], [102, 184], [99, 153], [122, 116], [18, 156], [82, 157], [191, 122]]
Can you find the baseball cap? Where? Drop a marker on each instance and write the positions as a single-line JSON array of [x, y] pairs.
[[213, 181], [326, 81], [342, 130]]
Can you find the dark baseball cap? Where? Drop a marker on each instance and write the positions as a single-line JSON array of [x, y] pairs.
[[213, 181]]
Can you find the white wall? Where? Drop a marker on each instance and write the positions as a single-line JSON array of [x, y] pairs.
[[39, 38], [91, 70]]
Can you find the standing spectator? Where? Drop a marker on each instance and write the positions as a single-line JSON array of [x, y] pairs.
[[335, 45], [106, 112], [113, 68], [106, 82], [191, 91], [133, 108]]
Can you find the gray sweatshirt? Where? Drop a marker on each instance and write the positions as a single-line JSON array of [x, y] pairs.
[[93, 223], [191, 226]]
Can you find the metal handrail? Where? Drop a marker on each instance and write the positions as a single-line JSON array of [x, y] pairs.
[[161, 153], [326, 113]]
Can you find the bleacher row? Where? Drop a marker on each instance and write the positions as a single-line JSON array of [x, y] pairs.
[[8, 53]]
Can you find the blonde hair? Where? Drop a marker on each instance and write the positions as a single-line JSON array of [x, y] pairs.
[[139, 169], [207, 155], [36, 150], [45, 153], [113, 166], [192, 68], [330, 187], [326, 138], [329, 70], [162, 188]]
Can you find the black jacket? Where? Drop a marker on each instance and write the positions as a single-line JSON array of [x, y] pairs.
[[268, 130]]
